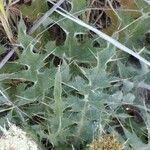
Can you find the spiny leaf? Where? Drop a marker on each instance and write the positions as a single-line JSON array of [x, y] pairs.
[[105, 56], [2, 9], [23, 38]]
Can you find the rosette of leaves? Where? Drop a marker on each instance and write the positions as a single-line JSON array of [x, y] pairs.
[[53, 106], [61, 110]]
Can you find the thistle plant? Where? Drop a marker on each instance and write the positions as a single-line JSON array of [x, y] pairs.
[[68, 85]]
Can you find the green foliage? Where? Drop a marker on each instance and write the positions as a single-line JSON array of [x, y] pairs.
[[69, 102]]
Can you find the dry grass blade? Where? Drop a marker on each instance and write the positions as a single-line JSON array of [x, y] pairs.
[[7, 28], [103, 36], [4, 21], [6, 58], [37, 23]]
